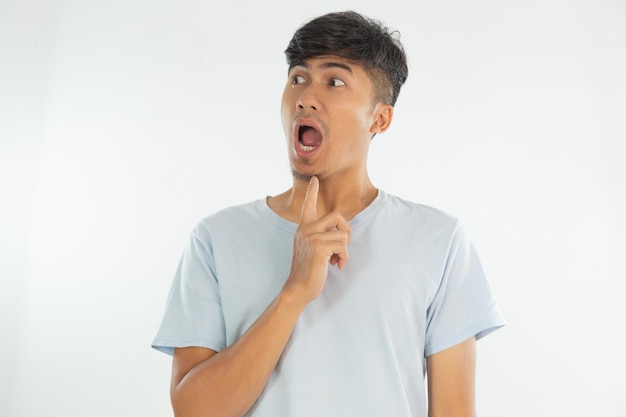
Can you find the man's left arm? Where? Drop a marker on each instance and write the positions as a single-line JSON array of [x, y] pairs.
[[451, 381]]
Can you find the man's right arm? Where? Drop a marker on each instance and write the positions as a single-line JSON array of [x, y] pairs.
[[207, 383], [226, 383]]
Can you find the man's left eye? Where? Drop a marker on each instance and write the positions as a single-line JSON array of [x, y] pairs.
[[336, 82]]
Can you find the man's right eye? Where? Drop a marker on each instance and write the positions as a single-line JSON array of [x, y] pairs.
[[297, 79]]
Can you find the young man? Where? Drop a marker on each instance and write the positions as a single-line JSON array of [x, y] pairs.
[[333, 298]]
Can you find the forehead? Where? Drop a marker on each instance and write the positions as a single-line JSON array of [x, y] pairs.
[[321, 63]]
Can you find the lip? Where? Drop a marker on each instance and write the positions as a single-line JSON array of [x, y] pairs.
[[305, 122]]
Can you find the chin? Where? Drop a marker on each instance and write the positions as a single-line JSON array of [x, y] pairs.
[[302, 176]]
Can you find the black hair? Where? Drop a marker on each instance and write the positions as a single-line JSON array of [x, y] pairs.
[[360, 39]]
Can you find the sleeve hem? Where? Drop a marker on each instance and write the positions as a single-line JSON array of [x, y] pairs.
[[478, 330], [167, 346]]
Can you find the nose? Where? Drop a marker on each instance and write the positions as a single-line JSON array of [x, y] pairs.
[[308, 99]]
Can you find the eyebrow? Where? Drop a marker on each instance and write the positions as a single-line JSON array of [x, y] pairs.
[[327, 65]]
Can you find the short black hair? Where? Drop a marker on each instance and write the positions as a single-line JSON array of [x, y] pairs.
[[357, 38]]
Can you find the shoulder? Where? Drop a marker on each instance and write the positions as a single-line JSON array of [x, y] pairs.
[[419, 214], [227, 218]]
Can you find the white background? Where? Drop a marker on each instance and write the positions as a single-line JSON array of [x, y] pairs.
[[122, 123]]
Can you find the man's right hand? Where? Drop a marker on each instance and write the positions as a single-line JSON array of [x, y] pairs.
[[317, 242]]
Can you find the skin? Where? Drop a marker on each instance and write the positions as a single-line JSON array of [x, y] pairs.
[[336, 96]]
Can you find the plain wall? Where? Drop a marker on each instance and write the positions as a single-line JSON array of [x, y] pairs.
[[122, 123]]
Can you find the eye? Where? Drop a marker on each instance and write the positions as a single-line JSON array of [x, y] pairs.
[[336, 82], [297, 79]]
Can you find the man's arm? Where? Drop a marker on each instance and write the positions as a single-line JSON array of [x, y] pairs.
[[207, 383], [226, 384], [451, 381]]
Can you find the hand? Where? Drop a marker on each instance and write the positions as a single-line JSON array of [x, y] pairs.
[[317, 243]]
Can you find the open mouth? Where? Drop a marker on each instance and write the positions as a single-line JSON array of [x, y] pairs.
[[309, 138]]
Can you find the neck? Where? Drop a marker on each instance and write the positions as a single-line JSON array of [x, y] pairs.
[[348, 197]]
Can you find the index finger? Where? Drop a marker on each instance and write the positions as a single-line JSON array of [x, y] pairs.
[[309, 206]]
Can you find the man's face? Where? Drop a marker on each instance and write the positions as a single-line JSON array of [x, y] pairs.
[[329, 117]]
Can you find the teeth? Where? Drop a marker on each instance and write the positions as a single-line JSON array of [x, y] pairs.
[[306, 148]]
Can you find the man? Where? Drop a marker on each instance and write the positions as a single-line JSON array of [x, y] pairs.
[[333, 298]]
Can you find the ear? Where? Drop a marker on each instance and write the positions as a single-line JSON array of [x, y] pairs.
[[383, 114]]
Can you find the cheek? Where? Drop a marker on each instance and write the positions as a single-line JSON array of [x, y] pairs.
[[358, 121], [358, 113], [367, 117]]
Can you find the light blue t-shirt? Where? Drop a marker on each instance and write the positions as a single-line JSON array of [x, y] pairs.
[[413, 286]]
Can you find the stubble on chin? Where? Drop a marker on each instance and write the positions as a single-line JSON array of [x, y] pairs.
[[302, 177]]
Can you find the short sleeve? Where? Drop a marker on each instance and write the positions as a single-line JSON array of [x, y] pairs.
[[464, 304], [193, 312]]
